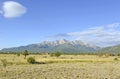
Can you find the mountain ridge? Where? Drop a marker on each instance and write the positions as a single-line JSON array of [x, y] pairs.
[[62, 45], [111, 49]]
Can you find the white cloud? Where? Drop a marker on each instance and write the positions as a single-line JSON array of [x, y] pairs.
[[11, 9], [106, 35], [87, 32]]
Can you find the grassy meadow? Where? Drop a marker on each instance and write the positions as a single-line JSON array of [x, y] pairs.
[[63, 67]]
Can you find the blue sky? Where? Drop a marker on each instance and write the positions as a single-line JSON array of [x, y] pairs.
[[25, 22]]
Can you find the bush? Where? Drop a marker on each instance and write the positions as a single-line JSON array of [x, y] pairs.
[[44, 56], [18, 54], [118, 54], [31, 60], [56, 54], [115, 59], [51, 54]]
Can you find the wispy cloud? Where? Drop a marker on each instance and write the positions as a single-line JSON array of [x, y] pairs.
[[12, 9], [59, 35], [106, 35], [113, 26]]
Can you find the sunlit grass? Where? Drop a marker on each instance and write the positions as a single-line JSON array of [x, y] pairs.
[[14, 59], [63, 67]]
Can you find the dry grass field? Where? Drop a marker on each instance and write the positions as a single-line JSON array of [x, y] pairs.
[[63, 67]]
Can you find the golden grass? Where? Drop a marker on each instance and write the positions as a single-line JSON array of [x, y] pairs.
[[63, 67], [12, 58]]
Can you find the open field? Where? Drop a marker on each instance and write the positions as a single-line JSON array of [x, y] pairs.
[[63, 67]]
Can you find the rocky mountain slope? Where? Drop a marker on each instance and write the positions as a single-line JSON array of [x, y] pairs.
[[111, 49], [62, 45]]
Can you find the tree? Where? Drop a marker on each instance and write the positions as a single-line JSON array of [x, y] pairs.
[[25, 53]]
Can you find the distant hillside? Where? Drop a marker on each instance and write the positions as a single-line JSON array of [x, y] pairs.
[[58, 45], [111, 49]]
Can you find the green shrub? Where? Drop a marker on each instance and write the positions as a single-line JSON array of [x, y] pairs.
[[51, 54], [116, 59], [118, 54], [18, 54], [44, 56], [31, 60], [56, 54]]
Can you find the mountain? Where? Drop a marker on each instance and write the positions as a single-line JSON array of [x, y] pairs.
[[62, 45], [111, 49]]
